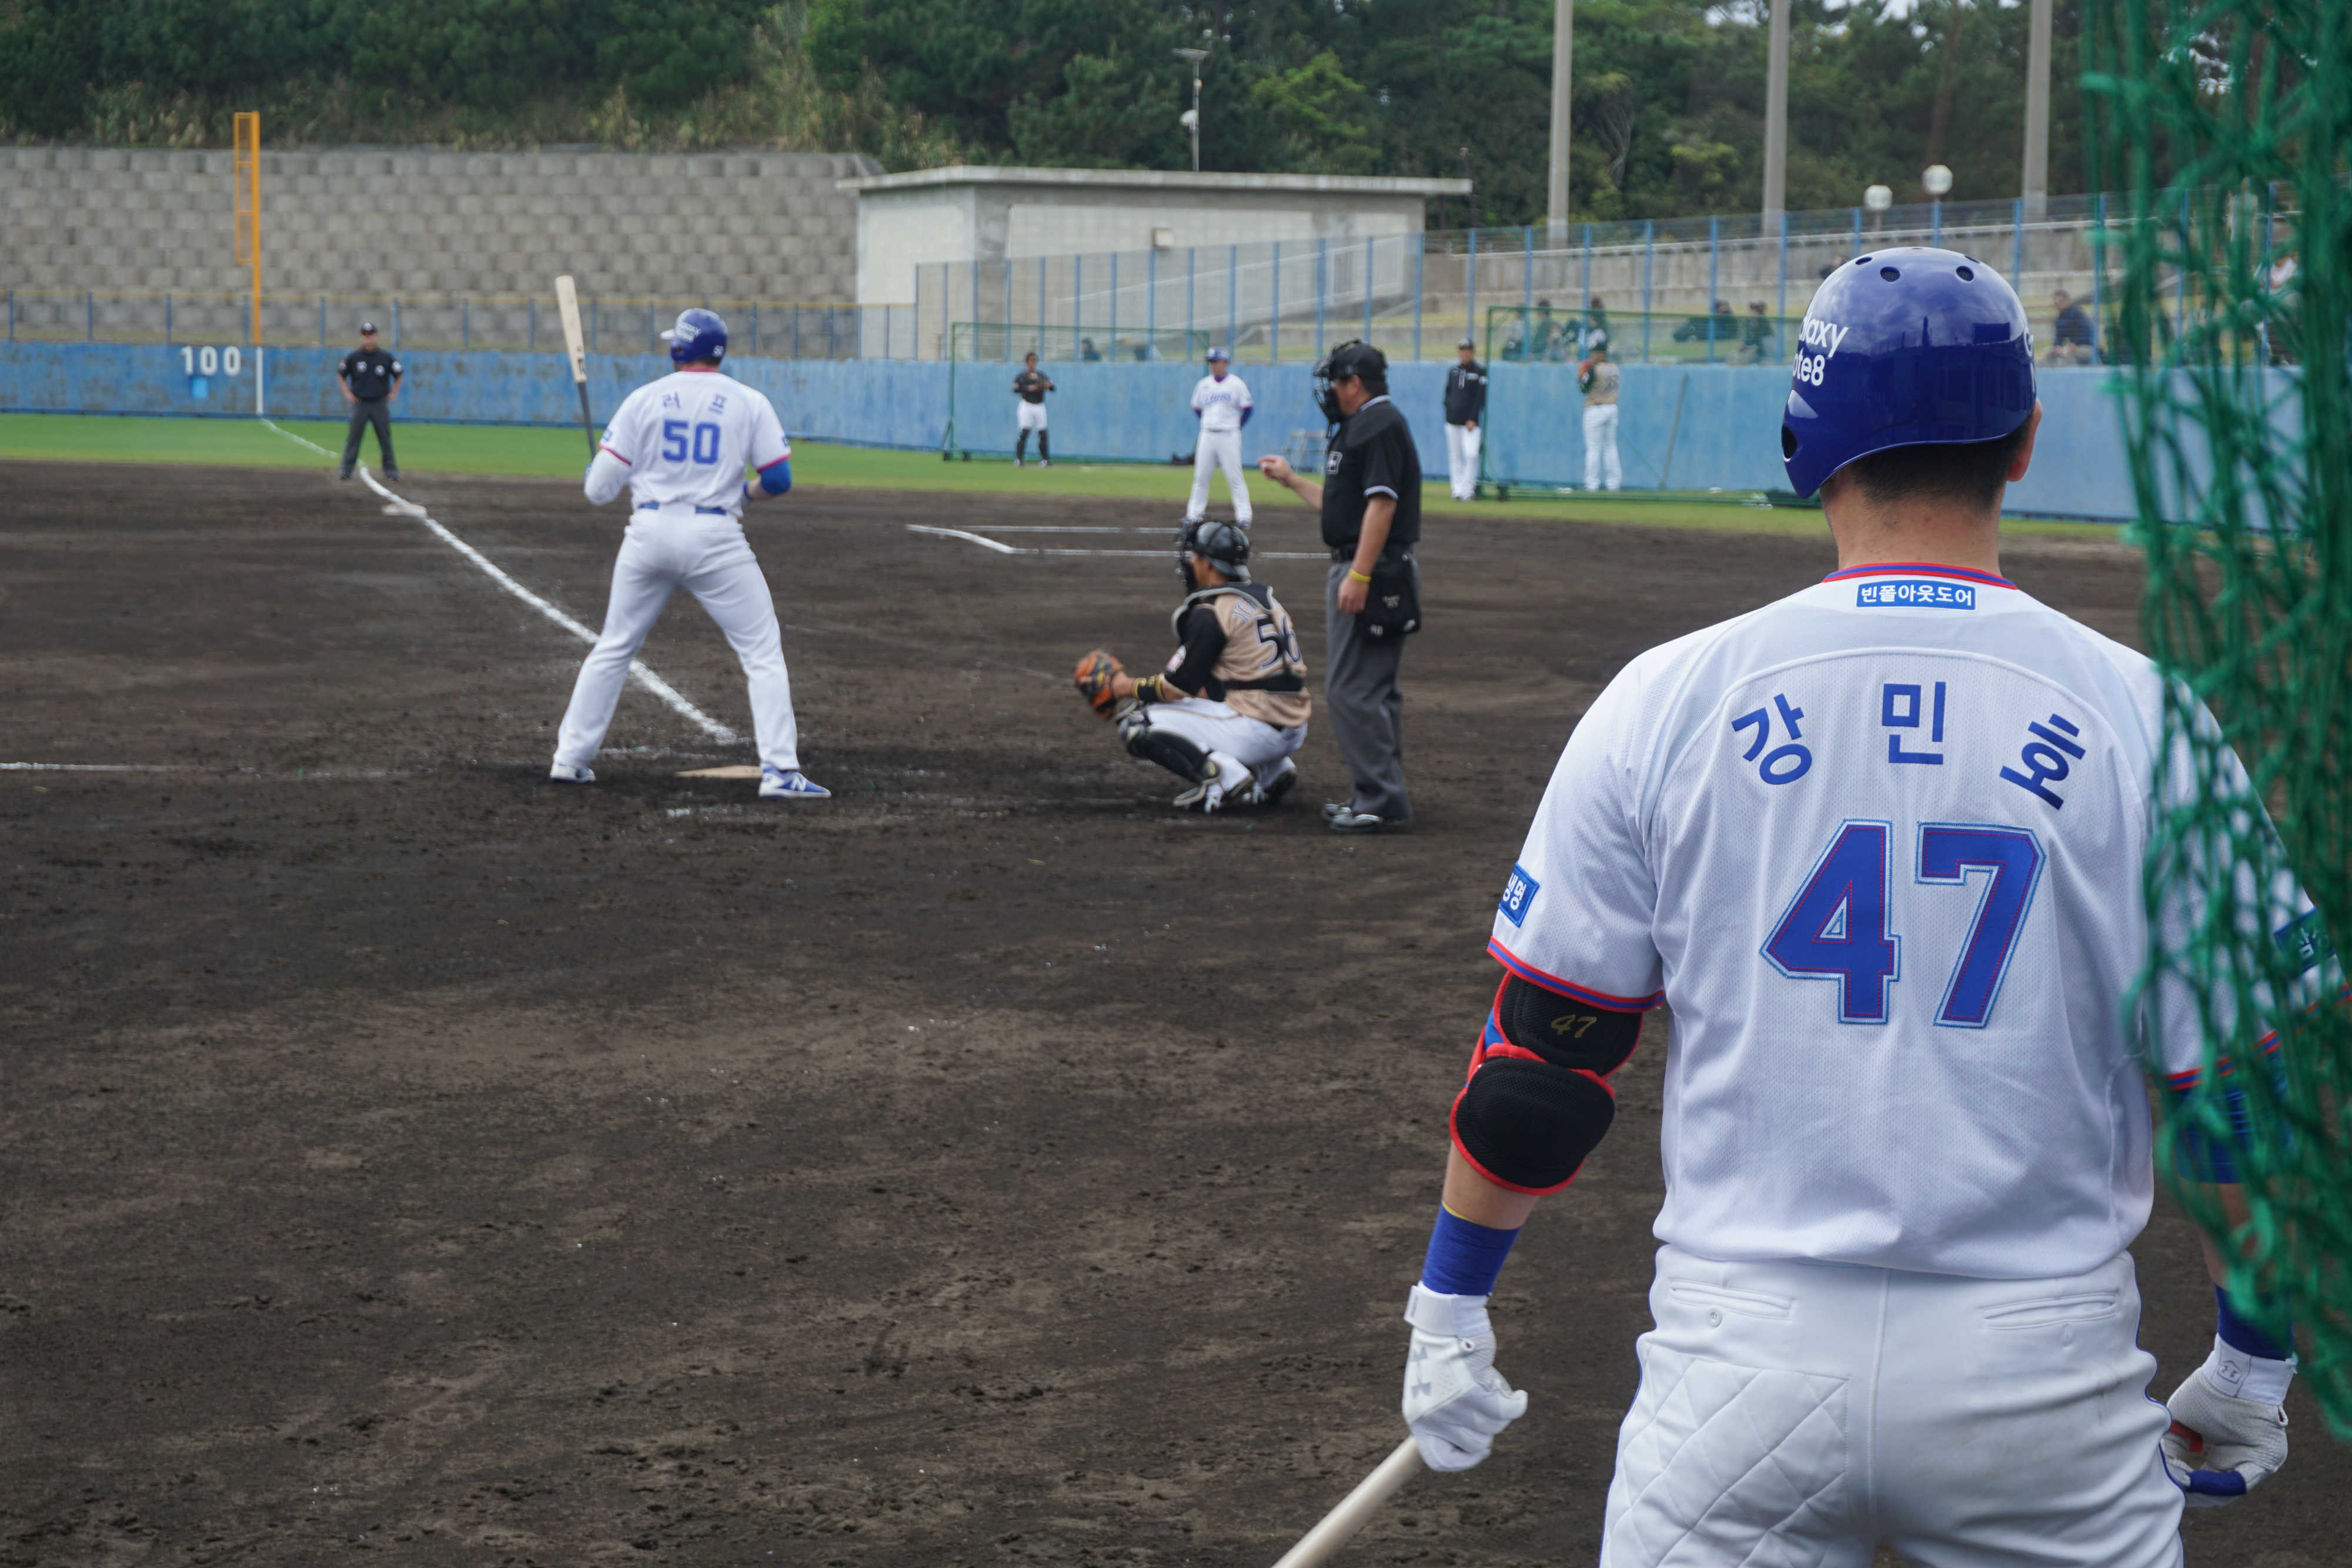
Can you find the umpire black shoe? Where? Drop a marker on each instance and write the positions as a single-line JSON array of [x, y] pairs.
[[1350, 821]]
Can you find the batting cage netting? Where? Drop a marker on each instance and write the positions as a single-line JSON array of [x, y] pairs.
[[2224, 127]]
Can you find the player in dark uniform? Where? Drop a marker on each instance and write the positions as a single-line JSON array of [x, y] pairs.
[[1371, 502], [371, 380], [1230, 708], [1031, 387]]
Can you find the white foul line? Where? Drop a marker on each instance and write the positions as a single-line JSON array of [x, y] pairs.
[[645, 678], [1002, 549]]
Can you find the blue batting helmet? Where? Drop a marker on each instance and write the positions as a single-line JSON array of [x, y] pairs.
[[699, 335], [1906, 347], [1218, 353]]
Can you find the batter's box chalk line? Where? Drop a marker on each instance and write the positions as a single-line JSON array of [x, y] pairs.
[[1000, 548]]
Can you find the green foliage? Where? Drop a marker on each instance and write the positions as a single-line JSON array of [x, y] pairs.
[[1669, 99], [1323, 117]]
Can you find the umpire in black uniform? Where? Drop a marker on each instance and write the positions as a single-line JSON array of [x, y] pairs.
[[370, 379], [1371, 502]]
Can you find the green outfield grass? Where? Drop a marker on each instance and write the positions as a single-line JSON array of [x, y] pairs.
[[561, 454]]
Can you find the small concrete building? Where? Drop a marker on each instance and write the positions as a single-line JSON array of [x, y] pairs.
[[991, 215]]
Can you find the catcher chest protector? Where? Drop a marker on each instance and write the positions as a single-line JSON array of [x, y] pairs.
[[1906, 347]]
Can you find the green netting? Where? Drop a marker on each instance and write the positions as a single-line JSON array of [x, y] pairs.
[[2225, 126]]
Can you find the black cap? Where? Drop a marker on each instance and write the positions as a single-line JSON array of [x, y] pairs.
[[367, 328], [1465, 343]]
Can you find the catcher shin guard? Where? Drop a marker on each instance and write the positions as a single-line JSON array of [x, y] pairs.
[[1180, 756]]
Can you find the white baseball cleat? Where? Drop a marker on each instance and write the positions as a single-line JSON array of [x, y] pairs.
[[564, 773], [1270, 790], [790, 784]]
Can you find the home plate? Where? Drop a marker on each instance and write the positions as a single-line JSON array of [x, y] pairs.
[[732, 770]]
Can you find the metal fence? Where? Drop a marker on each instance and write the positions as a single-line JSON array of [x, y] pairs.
[[769, 329], [1416, 294]]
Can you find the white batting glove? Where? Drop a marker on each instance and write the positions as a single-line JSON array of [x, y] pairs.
[[2229, 1433], [1454, 1400]]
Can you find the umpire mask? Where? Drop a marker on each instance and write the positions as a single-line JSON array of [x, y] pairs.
[[1352, 357]]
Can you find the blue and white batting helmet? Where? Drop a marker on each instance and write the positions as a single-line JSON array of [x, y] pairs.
[[1218, 353], [699, 335], [1906, 347]]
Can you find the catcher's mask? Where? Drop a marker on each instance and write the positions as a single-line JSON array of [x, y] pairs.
[[1352, 357], [1222, 543]]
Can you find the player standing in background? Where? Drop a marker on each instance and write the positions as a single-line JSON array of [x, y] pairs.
[[683, 444], [1878, 845], [1222, 403], [1465, 405], [1598, 380], [1031, 387]]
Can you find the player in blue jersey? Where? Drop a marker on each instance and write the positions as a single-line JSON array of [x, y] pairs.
[[1878, 846], [682, 445]]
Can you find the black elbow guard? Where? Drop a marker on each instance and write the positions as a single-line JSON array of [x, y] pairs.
[[1529, 1124], [1563, 1030]]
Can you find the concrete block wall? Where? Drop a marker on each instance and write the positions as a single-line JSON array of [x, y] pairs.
[[379, 223]]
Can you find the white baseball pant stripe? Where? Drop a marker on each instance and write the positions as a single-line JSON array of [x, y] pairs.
[[1600, 449], [1800, 1412], [707, 555], [1219, 449], [1461, 459], [1213, 726]]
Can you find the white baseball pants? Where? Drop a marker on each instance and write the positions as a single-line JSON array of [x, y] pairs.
[[1032, 415], [1214, 727], [1219, 449], [706, 555], [1461, 459], [1600, 449], [1800, 1412]]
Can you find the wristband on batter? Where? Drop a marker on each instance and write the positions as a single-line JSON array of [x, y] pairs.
[[1464, 1258]]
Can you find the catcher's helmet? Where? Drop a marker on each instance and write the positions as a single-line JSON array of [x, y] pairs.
[[699, 335], [1907, 346], [1224, 545], [1352, 357]]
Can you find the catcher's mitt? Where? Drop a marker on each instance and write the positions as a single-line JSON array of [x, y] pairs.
[[1094, 675]]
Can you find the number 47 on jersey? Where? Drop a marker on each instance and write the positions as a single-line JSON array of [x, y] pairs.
[[1837, 929]]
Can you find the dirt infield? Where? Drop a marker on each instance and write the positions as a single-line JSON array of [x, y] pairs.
[[405, 1157]]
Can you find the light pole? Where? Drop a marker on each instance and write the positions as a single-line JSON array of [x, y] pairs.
[[1878, 198], [1936, 180], [1190, 119]]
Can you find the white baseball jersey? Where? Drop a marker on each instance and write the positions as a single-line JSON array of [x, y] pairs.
[[1220, 403], [1879, 847], [685, 439]]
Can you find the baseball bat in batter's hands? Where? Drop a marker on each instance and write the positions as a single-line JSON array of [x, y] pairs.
[[1340, 1526], [575, 348]]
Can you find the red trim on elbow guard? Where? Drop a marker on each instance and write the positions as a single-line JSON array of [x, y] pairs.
[[1455, 1134]]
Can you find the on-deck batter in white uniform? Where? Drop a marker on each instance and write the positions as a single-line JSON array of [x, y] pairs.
[[1907, 1140], [1879, 847], [682, 444], [1221, 403]]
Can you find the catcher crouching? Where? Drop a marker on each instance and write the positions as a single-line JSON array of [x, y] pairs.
[[1231, 707]]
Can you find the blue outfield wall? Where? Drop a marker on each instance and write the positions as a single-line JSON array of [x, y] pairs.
[[1727, 436]]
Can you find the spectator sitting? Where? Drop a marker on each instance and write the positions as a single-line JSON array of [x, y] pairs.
[[1759, 339], [1088, 351], [2071, 342]]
